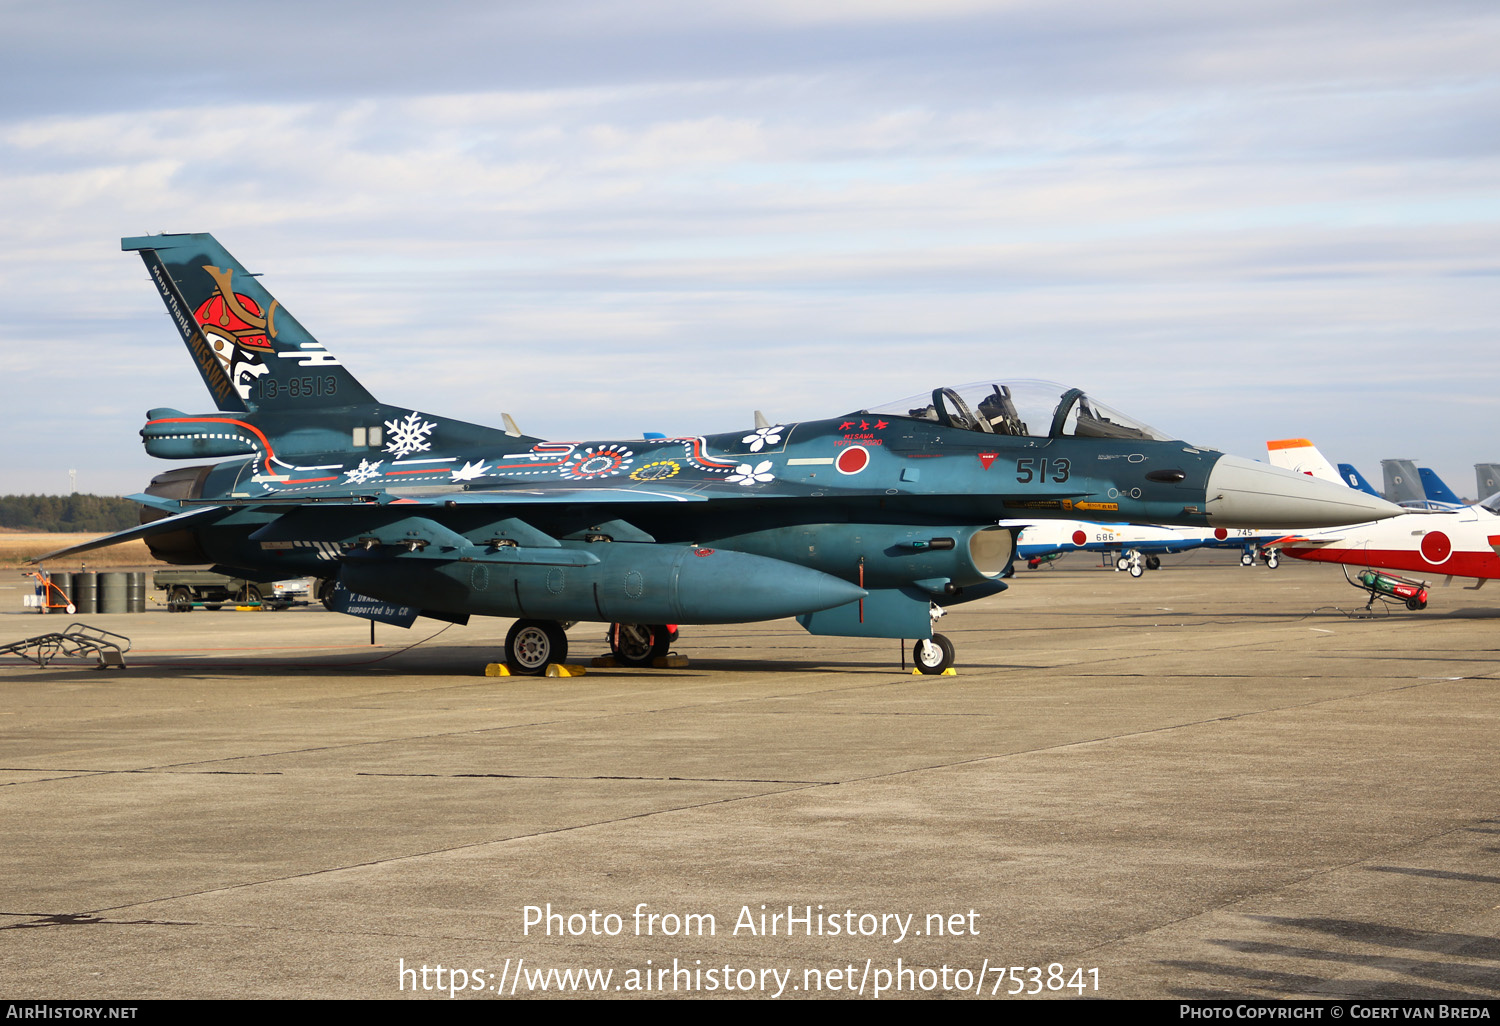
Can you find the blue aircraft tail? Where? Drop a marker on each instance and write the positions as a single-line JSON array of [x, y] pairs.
[[1434, 488], [252, 353], [1356, 479]]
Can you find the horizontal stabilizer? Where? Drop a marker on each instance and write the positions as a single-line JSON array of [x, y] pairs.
[[196, 517]]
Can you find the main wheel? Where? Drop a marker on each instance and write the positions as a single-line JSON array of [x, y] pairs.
[[1246, 559], [639, 644], [326, 589], [180, 600], [934, 658], [532, 644], [1122, 563], [1153, 563]]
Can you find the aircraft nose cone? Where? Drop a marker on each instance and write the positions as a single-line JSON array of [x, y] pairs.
[[1244, 493]]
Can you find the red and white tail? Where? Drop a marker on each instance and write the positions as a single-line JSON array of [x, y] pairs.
[[1301, 456]]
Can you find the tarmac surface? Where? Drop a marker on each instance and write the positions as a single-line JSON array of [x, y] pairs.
[[1208, 782]]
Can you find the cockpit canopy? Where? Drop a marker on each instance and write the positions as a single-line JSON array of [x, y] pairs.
[[1039, 409]]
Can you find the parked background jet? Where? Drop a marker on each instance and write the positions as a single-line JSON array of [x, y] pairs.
[[1402, 481], [1436, 494], [1354, 479], [1137, 547], [1456, 542], [1486, 479], [856, 525]]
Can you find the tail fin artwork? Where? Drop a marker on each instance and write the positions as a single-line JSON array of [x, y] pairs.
[[1302, 457], [1354, 479], [1402, 482], [1435, 490], [1487, 477], [253, 354], [279, 392]]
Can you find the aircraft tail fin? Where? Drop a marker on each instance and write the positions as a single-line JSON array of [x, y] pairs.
[[252, 354], [1302, 457], [1487, 477], [1402, 482], [1434, 488], [1354, 479]]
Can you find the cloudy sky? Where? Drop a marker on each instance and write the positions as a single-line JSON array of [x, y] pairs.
[[1233, 220]]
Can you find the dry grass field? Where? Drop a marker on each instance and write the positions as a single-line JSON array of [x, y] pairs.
[[16, 547]]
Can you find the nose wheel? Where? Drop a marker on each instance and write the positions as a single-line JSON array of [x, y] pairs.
[[532, 644], [934, 655]]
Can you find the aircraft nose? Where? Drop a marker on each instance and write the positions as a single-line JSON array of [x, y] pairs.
[[1244, 493]]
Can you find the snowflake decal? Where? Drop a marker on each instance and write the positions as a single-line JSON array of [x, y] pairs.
[[763, 437], [363, 472], [469, 471], [747, 475], [409, 435], [598, 461]]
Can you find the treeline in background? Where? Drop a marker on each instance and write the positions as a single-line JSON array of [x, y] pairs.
[[68, 513]]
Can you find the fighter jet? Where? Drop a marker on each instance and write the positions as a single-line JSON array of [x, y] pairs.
[[857, 525]]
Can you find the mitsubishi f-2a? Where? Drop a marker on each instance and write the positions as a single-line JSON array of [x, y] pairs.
[[860, 525]]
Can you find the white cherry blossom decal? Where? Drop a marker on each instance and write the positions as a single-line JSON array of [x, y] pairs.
[[763, 437], [747, 475]]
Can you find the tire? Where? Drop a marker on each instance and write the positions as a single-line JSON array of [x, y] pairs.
[[250, 596], [1246, 559], [1135, 570], [940, 659], [326, 588], [1122, 563], [639, 644], [180, 600], [1153, 563], [1415, 604], [1272, 562], [532, 645]]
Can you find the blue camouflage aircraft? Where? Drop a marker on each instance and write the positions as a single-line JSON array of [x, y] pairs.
[[858, 525]]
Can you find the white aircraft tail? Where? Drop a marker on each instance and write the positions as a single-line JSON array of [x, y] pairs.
[[1302, 457]]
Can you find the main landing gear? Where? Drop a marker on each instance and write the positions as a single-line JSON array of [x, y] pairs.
[[640, 644], [1133, 562], [1270, 557], [532, 645]]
